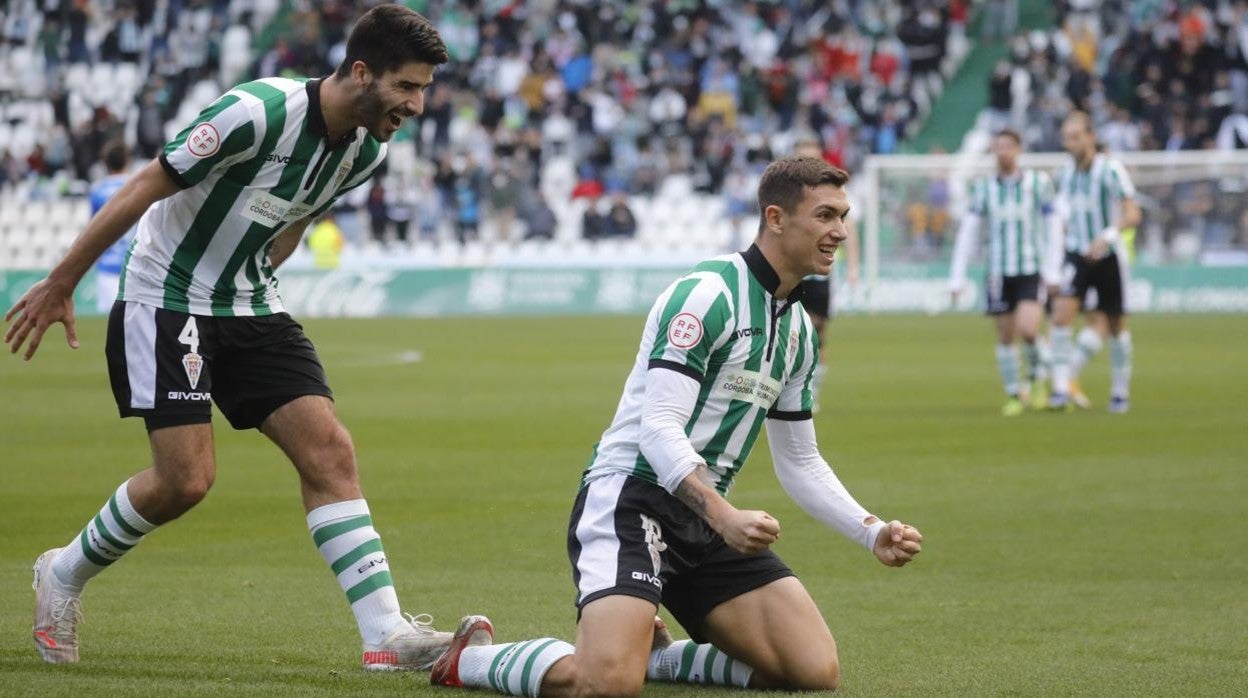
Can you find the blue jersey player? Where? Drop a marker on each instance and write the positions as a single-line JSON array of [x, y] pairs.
[[108, 267]]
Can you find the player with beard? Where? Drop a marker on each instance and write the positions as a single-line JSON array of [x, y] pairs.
[[1096, 203], [199, 320]]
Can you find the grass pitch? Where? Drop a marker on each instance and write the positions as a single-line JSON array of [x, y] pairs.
[[1064, 554]]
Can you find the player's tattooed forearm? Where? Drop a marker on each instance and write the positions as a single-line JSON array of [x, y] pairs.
[[691, 497]]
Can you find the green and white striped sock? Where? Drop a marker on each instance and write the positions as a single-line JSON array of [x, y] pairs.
[[111, 534], [1089, 345], [514, 669], [1120, 351], [1061, 344], [1007, 365], [344, 534], [1031, 359], [685, 661]]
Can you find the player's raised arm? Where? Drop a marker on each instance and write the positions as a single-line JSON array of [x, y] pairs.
[[51, 300]]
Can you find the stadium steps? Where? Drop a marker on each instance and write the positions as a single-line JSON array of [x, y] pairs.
[[966, 93]]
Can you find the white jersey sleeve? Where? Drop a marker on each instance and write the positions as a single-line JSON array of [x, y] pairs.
[[694, 318], [225, 132]]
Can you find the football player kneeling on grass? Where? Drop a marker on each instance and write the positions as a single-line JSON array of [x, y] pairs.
[[724, 349]]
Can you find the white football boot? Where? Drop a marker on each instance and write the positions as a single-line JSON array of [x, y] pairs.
[[412, 646], [58, 611]]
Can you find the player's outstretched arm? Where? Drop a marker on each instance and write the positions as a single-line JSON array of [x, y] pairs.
[[52, 299], [805, 475]]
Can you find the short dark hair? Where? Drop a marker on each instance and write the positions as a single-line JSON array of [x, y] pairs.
[[1010, 134], [389, 36], [115, 155], [1084, 118], [786, 180]]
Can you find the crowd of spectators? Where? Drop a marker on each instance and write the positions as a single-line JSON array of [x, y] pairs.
[[632, 92], [165, 45], [1154, 74]]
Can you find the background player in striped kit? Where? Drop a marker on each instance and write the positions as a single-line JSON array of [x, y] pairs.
[[200, 318], [1096, 204], [724, 349], [1017, 205]]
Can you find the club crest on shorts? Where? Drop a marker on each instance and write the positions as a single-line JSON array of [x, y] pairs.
[[654, 541], [193, 364]]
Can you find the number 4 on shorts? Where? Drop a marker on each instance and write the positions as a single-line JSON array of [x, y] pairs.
[[192, 362]]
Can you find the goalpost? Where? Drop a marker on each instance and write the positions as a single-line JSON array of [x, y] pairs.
[[1191, 250]]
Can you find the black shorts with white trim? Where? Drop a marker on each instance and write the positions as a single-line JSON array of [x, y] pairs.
[[168, 366], [630, 537]]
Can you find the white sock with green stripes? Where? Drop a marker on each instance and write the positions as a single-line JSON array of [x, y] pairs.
[[515, 669], [1031, 360], [685, 661], [1120, 351], [1007, 365], [1061, 344], [1089, 341], [111, 534], [344, 534], [1044, 358]]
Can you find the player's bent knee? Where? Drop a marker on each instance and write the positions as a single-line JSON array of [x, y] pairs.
[[328, 462], [805, 676], [611, 687], [829, 679], [609, 681], [185, 492], [341, 456]]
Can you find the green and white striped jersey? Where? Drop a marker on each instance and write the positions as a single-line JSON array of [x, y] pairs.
[[1014, 209], [1089, 200], [251, 164], [752, 353]]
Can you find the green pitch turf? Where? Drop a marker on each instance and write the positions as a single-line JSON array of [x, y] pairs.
[[1064, 554]]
